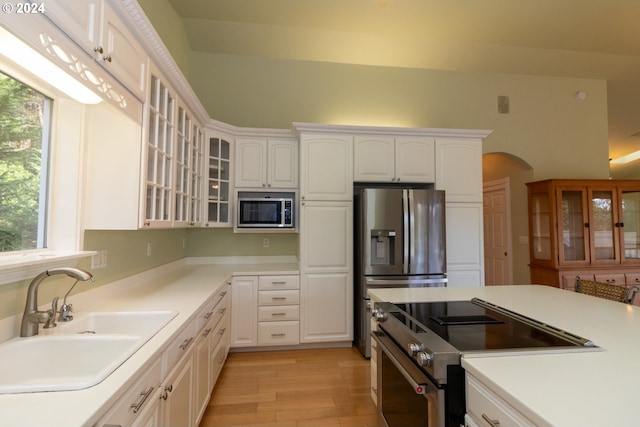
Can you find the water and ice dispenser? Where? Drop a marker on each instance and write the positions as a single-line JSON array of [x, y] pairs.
[[382, 247]]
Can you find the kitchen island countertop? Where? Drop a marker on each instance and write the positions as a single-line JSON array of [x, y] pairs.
[[592, 388]]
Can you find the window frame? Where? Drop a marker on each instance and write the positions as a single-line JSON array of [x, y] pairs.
[[64, 190]]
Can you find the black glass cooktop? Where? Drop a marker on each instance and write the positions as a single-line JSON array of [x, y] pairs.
[[469, 326]]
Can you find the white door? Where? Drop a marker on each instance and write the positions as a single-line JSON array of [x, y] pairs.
[[497, 233]]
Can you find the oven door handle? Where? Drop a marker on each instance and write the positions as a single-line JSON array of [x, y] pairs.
[[417, 387], [406, 282]]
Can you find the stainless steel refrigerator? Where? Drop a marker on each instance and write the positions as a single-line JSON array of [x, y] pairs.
[[400, 242]]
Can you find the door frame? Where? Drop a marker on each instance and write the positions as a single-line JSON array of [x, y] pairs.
[[503, 185]]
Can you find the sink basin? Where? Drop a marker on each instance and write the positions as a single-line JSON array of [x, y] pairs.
[[138, 323], [61, 362], [77, 354]]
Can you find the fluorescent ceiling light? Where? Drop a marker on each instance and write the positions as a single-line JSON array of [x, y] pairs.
[[627, 159], [23, 55]]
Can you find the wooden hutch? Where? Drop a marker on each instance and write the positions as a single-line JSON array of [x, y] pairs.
[[586, 228]]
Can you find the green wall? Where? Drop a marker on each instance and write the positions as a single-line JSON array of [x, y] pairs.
[[547, 127]]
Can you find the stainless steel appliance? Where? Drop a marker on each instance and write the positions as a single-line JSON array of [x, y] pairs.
[[265, 210], [420, 345], [400, 242]]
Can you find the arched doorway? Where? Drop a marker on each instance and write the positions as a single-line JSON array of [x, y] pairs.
[[506, 248]]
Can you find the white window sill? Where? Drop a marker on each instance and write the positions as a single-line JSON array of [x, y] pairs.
[[14, 268]]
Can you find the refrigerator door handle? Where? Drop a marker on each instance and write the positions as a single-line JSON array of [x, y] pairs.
[[398, 282], [405, 228]]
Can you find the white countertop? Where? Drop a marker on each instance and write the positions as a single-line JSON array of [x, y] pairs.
[[182, 288], [595, 388]]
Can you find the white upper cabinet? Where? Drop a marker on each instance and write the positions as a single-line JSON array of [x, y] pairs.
[[459, 168], [382, 158], [326, 167], [266, 163], [94, 26]]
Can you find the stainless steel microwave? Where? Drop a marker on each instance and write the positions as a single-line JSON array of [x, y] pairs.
[[265, 210]]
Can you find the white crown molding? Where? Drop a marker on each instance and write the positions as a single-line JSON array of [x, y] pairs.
[[300, 127], [161, 57]]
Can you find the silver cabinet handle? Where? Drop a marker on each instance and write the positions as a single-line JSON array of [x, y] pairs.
[[492, 423], [145, 395], [186, 343], [278, 314], [278, 298], [278, 283], [278, 334], [207, 332]]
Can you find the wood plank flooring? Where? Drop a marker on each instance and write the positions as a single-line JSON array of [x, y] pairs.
[[293, 388]]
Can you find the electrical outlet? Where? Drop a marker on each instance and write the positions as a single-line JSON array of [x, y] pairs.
[[99, 260], [149, 249], [265, 243]]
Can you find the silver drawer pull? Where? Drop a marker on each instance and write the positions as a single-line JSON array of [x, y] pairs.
[[222, 310], [223, 293], [278, 298], [492, 423], [186, 343], [278, 335], [208, 315], [145, 395], [278, 314], [278, 283], [221, 331], [207, 332]]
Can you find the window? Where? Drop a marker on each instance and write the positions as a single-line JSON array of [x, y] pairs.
[[24, 139]]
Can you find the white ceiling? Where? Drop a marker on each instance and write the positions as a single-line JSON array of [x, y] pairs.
[[571, 38]]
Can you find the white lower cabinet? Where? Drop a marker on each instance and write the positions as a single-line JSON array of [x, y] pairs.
[[176, 387], [139, 405], [487, 409], [265, 310]]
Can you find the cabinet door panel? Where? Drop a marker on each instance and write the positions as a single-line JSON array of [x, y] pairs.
[[573, 225], [326, 165], [459, 170], [326, 236], [603, 230], [326, 311], [122, 55], [251, 158], [244, 311], [77, 18], [374, 159], [629, 202], [282, 164], [415, 160]]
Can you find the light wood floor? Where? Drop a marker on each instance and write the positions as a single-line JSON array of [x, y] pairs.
[[297, 388]]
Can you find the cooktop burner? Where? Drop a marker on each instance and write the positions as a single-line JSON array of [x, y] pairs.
[[477, 325]]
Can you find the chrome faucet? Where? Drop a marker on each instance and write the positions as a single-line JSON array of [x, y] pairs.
[[32, 318]]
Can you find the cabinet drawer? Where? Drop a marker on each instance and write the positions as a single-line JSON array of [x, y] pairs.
[[482, 403], [178, 347], [632, 279], [616, 278], [266, 283], [278, 297], [276, 312], [221, 331], [135, 399], [278, 333]]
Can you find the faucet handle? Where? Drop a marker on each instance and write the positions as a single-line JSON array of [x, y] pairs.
[[51, 314], [65, 311]]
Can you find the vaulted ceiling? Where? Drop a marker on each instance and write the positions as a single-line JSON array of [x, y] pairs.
[[569, 38]]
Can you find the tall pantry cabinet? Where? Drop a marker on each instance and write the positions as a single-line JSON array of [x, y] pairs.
[[326, 237]]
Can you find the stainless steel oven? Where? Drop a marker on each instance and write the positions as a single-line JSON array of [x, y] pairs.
[[420, 379], [406, 396]]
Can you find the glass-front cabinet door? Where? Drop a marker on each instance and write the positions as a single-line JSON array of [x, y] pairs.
[[603, 225], [629, 224], [573, 225], [540, 223], [218, 210], [160, 155]]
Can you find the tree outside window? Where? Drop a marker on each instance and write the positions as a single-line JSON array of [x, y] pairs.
[[24, 121]]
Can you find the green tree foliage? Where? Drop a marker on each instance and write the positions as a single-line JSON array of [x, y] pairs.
[[21, 124]]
